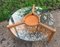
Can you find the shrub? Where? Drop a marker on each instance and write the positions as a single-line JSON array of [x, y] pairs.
[[7, 7]]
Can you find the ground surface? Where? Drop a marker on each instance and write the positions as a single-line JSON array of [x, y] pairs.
[[7, 39]]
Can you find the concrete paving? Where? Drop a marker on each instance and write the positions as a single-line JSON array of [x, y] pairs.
[[7, 39]]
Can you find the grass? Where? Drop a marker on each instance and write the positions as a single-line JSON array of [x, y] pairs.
[[8, 7]]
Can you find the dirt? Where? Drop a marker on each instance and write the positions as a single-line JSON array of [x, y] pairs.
[[7, 39]]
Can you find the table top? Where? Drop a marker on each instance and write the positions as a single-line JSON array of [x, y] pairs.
[[21, 32]]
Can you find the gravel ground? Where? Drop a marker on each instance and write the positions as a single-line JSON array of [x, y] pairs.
[[7, 39]]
